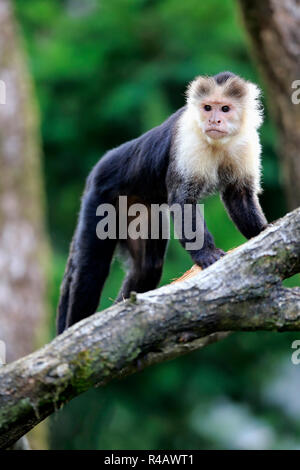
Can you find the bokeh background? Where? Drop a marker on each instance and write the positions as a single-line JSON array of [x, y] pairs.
[[105, 71]]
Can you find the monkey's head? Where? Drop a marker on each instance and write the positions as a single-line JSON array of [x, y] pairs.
[[224, 105]]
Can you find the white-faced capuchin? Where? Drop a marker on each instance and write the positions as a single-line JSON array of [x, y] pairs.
[[211, 144]]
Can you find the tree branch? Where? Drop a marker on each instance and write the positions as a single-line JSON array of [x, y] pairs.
[[241, 292]]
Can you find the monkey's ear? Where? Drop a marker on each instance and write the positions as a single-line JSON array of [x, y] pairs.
[[254, 105], [201, 86], [254, 91]]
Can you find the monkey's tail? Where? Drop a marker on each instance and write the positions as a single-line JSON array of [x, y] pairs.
[[63, 305], [86, 272]]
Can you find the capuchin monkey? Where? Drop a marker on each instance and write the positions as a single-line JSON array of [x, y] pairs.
[[211, 144]]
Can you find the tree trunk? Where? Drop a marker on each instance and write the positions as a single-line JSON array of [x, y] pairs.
[[274, 31], [23, 247]]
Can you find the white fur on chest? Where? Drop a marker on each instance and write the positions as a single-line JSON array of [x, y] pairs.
[[199, 157]]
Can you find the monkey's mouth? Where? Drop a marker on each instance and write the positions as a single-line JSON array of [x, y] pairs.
[[215, 133]]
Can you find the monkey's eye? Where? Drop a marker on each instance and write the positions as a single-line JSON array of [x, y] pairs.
[[207, 107], [225, 109]]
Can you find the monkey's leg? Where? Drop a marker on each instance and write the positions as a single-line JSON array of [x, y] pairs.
[[199, 243], [244, 209], [147, 258]]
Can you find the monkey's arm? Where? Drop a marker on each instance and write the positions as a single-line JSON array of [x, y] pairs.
[[244, 209], [193, 222]]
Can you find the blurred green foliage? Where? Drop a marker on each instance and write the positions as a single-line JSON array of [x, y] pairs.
[[106, 71]]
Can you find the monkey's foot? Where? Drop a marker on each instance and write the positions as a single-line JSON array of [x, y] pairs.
[[209, 257]]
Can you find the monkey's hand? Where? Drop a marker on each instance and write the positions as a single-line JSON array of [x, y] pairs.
[[205, 258]]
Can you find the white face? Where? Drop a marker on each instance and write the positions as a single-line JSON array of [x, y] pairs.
[[218, 118]]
